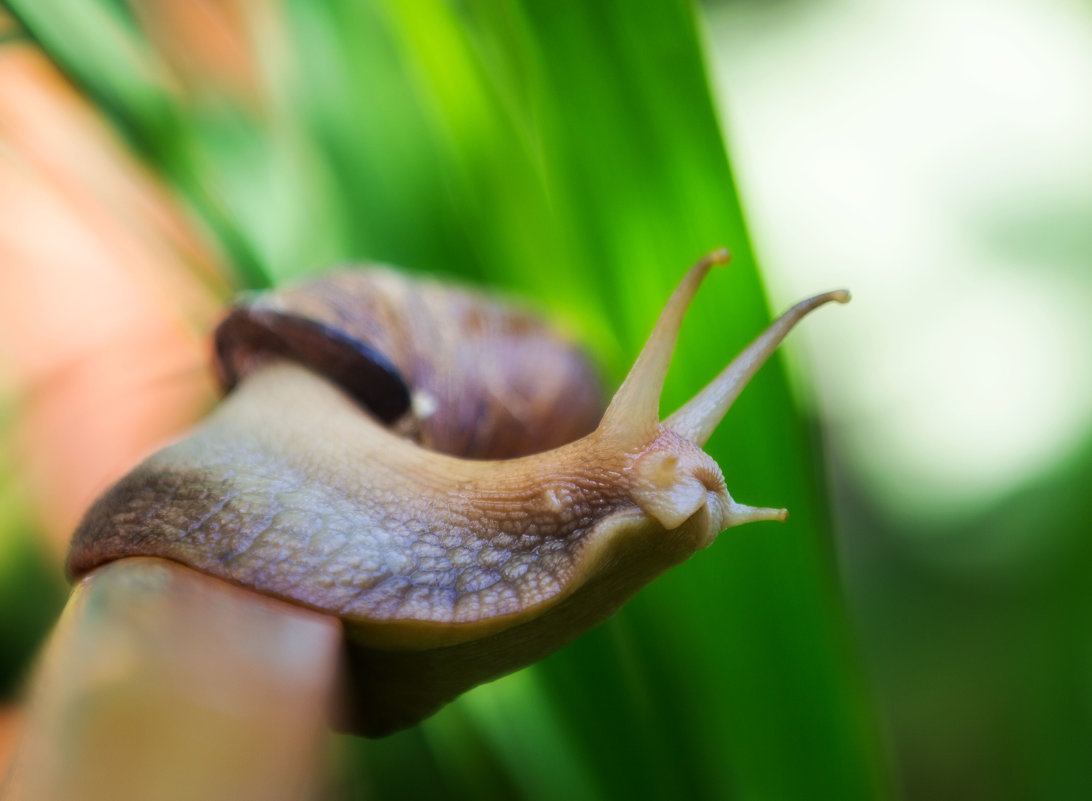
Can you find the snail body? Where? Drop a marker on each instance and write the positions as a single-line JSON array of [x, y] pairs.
[[446, 571]]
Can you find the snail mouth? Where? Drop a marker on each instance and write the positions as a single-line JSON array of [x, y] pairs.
[[671, 480], [680, 495]]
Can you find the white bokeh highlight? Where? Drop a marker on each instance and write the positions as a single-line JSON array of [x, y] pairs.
[[897, 148]]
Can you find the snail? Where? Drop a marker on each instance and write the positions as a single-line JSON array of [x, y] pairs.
[[434, 469]]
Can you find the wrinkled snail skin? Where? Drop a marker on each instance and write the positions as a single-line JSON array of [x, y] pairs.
[[446, 571]]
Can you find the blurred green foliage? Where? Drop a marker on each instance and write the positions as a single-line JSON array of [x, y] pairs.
[[31, 589], [978, 634], [567, 152], [877, 139]]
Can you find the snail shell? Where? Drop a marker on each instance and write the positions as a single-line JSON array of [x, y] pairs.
[[433, 469], [479, 379]]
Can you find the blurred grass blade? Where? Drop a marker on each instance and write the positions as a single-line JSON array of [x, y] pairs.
[[578, 149], [100, 48], [95, 44]]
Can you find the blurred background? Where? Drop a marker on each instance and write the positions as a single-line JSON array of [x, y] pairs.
[[921, 626], [937, 157]]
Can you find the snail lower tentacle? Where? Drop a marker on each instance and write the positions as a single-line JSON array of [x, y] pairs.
[[452, 555]]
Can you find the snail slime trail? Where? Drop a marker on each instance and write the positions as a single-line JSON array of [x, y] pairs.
[[436, 470]]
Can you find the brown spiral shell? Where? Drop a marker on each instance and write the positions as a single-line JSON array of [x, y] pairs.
[[456, 370]]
